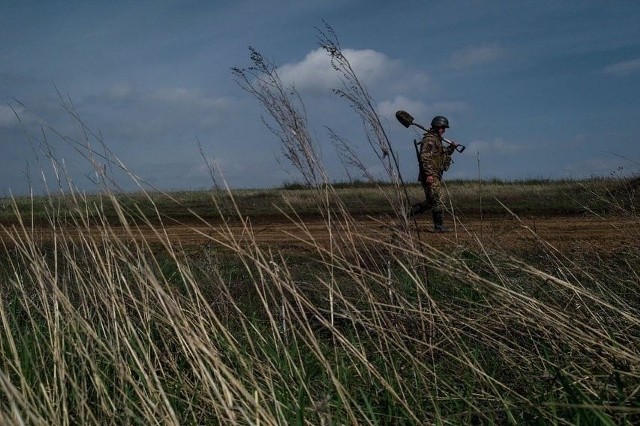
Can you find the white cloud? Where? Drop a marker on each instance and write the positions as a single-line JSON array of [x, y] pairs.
[[314, 73], [143, 116], [168, 96], [413, 107], [181, 96], [623, 68], [167, 106], [119, 91], [472, 56], [421, 111], [8, 116]]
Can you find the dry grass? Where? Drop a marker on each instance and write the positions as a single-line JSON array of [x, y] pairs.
[[364, 330]]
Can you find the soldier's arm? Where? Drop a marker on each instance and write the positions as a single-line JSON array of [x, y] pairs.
[[426, 157], [450, 149]]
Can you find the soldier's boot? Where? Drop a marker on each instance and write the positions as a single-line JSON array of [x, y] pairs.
[[418, 209], [438, 225]]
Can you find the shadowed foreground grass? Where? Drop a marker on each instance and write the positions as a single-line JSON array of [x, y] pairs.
[[360, 331]]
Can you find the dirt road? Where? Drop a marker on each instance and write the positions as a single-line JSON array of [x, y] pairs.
[[573, 233]]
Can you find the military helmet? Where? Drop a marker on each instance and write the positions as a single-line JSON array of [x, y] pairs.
[[439, 121]]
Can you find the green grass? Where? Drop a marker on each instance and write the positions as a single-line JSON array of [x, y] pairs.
[[535, 197]]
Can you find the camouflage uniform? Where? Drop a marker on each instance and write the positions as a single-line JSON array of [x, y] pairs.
[[435, 159]]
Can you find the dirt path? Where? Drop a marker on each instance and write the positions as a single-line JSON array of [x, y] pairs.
[[572, 233], [562, 232]]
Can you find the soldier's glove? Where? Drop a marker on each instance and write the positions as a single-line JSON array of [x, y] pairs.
[[446, 162]]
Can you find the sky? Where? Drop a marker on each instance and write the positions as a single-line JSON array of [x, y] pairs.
[[542, 89]]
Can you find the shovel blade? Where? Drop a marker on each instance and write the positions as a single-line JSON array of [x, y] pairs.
[[404, 118]]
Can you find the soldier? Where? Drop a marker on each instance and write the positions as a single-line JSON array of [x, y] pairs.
[[434, 160]]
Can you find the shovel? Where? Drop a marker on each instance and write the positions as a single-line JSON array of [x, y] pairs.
[[407, 120]]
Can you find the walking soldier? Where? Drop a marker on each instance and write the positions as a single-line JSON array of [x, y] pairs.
[[434, 159]]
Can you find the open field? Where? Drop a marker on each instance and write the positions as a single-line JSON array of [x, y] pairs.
[[323, 306], [597, 215]]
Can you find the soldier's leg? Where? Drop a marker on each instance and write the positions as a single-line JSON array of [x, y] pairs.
[[418, 208], [427, 204], [438, 207], [438, 221]]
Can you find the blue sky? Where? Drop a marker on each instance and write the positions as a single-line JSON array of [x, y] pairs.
[[544, 89]]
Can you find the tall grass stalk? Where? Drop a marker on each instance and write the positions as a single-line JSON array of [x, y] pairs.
[[105, 321]]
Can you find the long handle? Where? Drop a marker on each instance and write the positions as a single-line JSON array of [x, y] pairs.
[[458, 147], [406, 120]]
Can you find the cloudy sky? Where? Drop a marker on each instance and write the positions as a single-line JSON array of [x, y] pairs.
[[534, 89]]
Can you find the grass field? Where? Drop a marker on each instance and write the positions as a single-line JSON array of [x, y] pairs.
[[103, 323], [473, 198]]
